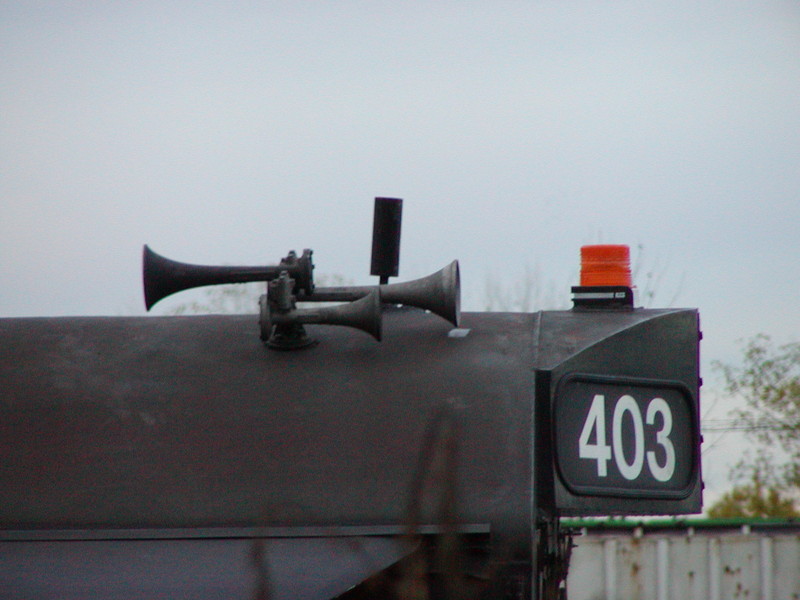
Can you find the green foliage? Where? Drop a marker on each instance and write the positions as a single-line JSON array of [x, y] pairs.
[[769, 382], [753, 502], [761, 497]]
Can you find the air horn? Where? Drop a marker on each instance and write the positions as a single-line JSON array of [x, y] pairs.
[[439, 293], [164, 277], [282, 323], [292, 281]]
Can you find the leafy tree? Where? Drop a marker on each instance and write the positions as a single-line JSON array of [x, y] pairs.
[[769, 382], [759, 498]]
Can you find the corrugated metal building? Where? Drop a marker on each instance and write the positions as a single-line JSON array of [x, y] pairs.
[[685, 559]]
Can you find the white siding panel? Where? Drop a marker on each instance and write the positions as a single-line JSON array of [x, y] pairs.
[[685, 564]]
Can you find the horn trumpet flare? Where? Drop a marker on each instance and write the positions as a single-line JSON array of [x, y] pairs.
[[164, 277], [439, 292]]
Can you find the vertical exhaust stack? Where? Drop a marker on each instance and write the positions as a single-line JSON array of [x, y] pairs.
[[386, 238]]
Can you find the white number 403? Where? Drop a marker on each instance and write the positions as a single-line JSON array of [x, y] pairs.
[[602, 452]]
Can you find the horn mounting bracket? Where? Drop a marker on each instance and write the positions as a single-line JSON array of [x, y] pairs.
[[278, 330]]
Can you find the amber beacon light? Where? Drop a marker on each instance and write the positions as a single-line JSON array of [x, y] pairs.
[[606, 265], [605, 277]]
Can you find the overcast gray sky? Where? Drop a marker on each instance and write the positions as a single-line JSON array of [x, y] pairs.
[[232, 132]]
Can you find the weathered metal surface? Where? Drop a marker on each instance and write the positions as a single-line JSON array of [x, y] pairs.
[[658, 347], [226, 569], [169, 424], [190, 421], [688, 561]]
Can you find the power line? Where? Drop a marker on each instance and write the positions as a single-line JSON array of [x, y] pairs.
[[725, 425]]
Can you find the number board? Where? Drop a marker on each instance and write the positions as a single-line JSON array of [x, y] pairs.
[[625, 437]]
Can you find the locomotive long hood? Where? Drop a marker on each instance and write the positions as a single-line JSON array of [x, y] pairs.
[[186, 433]]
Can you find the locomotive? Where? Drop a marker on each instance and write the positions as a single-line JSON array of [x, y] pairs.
[[409, 451]]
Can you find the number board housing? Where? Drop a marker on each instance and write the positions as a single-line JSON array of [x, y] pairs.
[[635, 437], [629, 358]]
